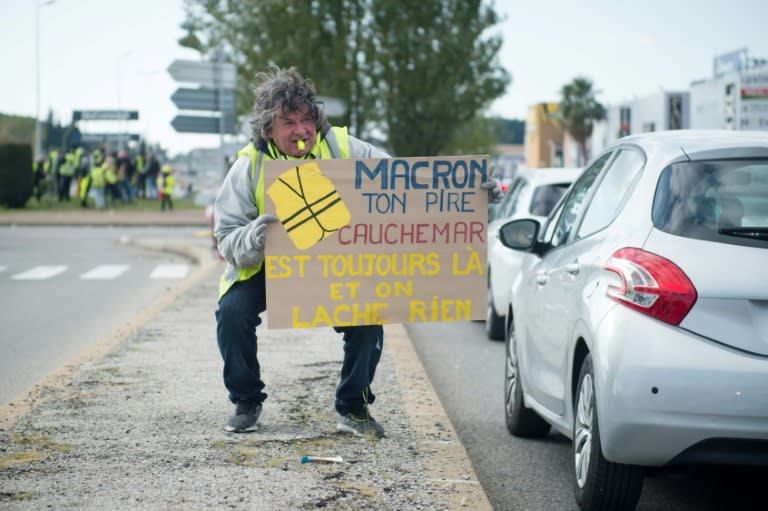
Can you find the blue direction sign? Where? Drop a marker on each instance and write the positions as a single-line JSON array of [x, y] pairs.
[[204, 99], [200, 124], [105, 115]]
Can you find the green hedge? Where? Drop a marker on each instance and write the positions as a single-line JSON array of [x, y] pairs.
[[16, 177]]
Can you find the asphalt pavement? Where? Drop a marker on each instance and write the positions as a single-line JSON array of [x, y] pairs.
[[137, 421]]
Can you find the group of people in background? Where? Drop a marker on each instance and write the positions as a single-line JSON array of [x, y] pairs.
[[105, 178]]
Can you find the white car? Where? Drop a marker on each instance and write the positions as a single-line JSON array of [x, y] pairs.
[[531, 193], [638, 325]]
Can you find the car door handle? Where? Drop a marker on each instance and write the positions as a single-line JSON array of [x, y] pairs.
[[542, 278], [573, 268]]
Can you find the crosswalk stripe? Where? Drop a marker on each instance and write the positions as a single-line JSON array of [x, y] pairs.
[[2, 268], [40, 273], [105, 272], [170, 271]]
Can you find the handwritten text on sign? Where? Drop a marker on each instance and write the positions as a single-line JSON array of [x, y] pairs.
[[376, 241]]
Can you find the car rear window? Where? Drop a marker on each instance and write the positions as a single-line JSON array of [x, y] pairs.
[[724, 201], [545, 198]]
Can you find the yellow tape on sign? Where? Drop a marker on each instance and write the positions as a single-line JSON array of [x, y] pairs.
[[308, 205]]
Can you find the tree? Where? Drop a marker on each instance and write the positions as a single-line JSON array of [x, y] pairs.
[[320, 37], [435, 69], [414, 71], [509, 131], [579, 109]]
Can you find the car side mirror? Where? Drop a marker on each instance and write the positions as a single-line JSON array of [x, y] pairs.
[[519, 234]]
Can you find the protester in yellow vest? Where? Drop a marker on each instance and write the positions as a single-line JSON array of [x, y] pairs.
[[66, 171], [165, 183], [140, 175], [98, 182], [288, 123], [111, 193]]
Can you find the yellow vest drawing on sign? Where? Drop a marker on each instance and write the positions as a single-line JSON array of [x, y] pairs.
[[308, 205]]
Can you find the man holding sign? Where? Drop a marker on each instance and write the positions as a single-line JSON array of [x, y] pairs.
[[288, 124]]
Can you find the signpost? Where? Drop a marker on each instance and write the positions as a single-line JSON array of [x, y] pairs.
[[201, 124], [204, 73], [217, 80], [120, 138], [105, 115], [204, 99], [102, 138]]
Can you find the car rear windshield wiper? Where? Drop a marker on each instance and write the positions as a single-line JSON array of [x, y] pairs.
[[745, 232]]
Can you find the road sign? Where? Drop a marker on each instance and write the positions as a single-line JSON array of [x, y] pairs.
[[334, 107], [103, 138], [204, 99], [200, 124], [105, 115], [207, 74]]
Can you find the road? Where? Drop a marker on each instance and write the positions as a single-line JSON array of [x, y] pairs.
[[467, 371], [64, 288]]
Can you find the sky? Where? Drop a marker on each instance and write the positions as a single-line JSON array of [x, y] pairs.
[[114, 55]]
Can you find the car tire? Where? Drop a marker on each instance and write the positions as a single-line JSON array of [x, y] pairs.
[[521, 421], [599, 485], [494, 324]]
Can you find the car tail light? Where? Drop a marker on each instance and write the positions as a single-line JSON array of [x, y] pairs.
[[651, 284]]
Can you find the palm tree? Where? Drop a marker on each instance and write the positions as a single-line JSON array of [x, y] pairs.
[[579, 109]]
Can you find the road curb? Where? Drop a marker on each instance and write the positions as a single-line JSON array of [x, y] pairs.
[[446, 461]]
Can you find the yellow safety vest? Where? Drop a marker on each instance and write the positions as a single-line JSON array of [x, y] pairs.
[[338, 137], [67, 167], [166, 182], [97, 177]]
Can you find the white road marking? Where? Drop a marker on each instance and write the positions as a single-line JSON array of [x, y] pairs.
[[170, 271], [40, 273], [2, 268], [105, 272]]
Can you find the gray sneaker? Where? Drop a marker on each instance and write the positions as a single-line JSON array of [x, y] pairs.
[[361, 424], [245, 417]]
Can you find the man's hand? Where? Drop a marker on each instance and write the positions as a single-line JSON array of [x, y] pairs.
[[494, 190], [259, 231]]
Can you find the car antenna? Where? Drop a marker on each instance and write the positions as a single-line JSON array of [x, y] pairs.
[[686, 154]]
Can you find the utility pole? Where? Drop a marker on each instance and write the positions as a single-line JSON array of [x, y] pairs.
[[38, 141], [220, 97]]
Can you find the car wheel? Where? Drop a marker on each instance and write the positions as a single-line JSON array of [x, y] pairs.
[[494, 324], [599, 483], [521, 421]]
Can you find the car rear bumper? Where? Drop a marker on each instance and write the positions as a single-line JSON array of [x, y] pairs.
[[662, 390]]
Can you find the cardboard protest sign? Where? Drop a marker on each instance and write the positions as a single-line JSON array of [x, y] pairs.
[[376, 241]]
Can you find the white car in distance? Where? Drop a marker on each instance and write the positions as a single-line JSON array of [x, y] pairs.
[[532, 193]]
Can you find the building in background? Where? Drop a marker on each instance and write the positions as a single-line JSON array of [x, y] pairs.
[[543, 137], [661, 111], [735, 98]]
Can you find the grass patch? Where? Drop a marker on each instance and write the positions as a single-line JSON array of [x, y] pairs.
[[39, 441], [48, 204], [364, 490], [305, 416], [270, 453], [22, 495], [21, 458]]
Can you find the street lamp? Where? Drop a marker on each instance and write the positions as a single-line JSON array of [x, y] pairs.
[[38, 142], [119, 89], [119, 59]]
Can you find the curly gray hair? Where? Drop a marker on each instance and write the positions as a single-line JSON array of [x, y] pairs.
[[282, 91]]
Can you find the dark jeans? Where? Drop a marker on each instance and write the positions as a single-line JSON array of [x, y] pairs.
[[237, 317]]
